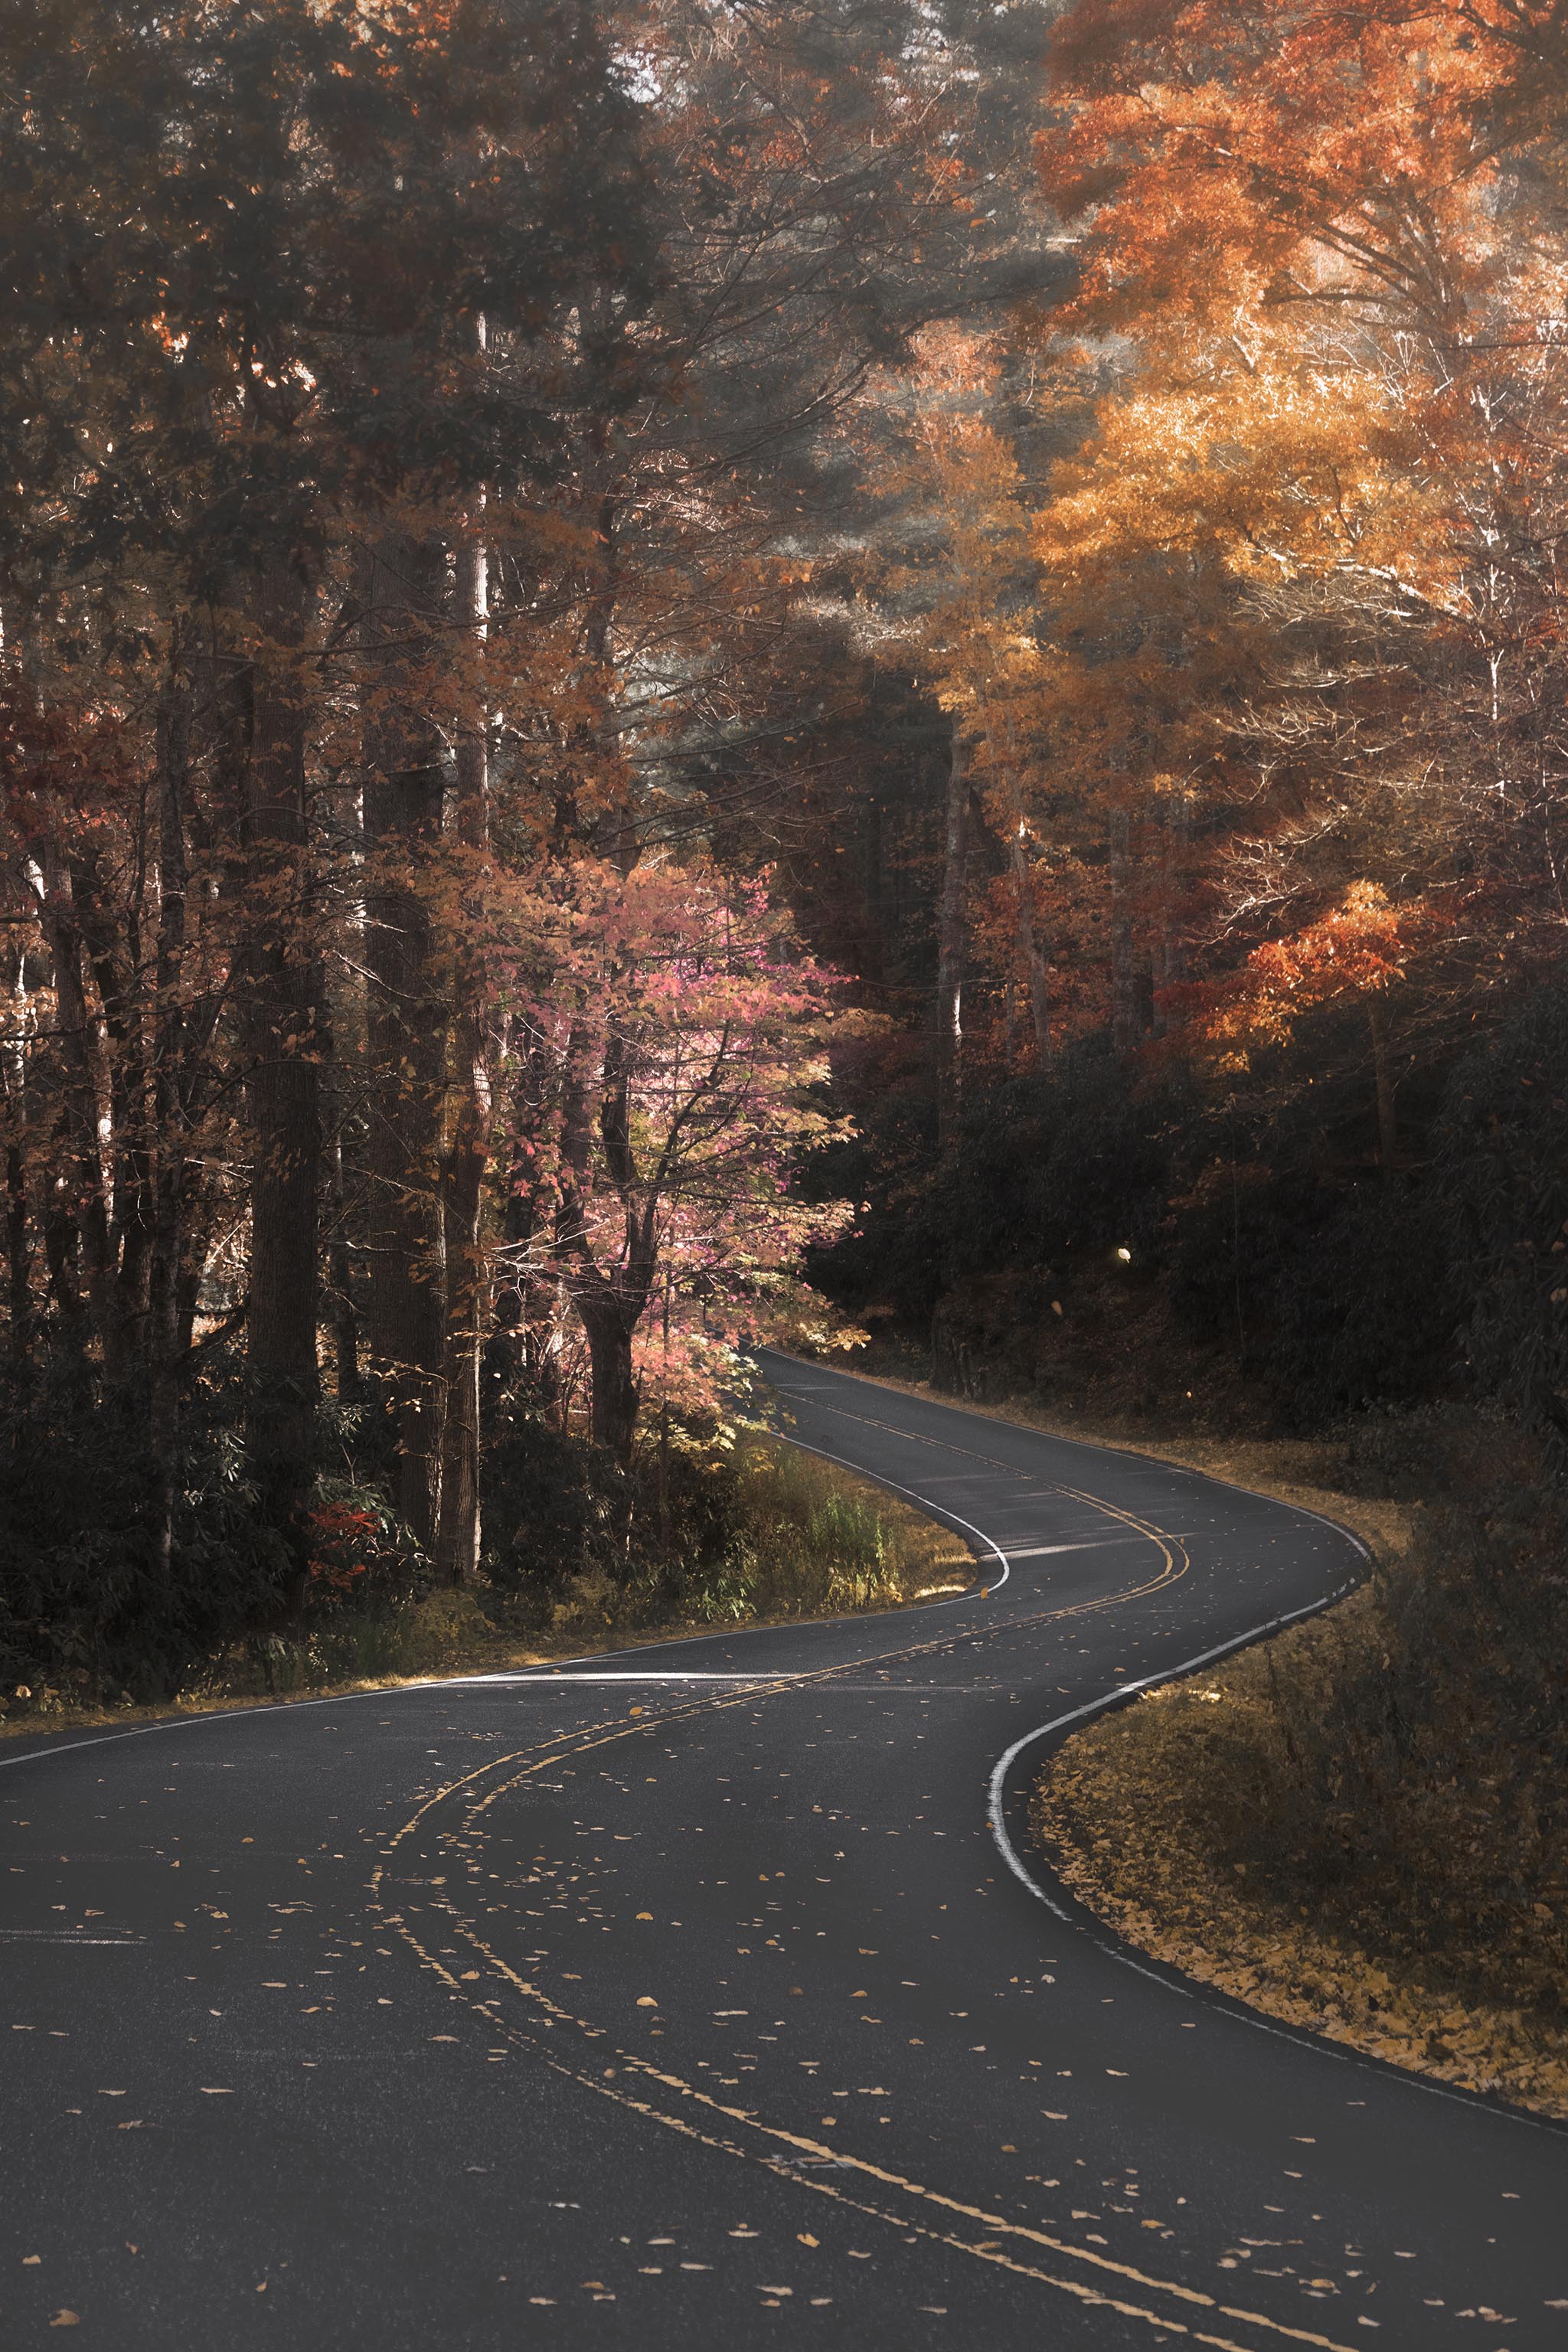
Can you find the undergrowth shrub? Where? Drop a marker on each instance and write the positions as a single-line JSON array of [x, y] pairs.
[[1417, 1786], [709, 1537], [1396, 1770]]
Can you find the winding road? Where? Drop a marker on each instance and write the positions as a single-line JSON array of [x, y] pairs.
[[712, 1994]]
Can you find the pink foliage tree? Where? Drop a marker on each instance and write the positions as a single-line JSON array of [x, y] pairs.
[[672, 1044]]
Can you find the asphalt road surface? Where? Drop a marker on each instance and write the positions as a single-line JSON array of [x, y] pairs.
[[693, 1998]]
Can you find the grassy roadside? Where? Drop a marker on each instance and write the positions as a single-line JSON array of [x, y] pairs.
[[1360, 1826], [814, 1540]]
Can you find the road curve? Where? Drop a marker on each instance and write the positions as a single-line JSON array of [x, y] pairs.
[[692, 1997]]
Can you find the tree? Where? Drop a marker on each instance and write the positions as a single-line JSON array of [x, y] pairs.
[[675, 1059], [1328, 629]]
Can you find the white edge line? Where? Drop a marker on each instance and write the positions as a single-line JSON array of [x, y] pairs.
[[531, 1674], [937, 1511], [1098, 1706], [1170, 1977], [545, 1674], [1171, 1982]]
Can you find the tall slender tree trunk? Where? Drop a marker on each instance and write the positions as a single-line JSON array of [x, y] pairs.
[[165, 1329], [62, 1257], [951, 943], [466, 1155], [406, 1018], [345, 1316], [1124, 991], [1171, 966], [284, 1089], [86, 1110], [1030, 952], [1383, 1080], [18, 1240]]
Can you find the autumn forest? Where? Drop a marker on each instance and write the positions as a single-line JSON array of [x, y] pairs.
[[685, 674]]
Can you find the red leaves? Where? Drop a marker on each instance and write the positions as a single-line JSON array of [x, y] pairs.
[[342, 1540]]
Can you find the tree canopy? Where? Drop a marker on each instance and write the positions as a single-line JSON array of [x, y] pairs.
[[675, 673]]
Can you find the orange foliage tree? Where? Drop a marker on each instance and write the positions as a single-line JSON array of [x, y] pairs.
[[1304, 620]]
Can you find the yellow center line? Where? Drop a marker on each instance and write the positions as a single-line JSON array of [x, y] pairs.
[[991, 2223], [1175, 1564]]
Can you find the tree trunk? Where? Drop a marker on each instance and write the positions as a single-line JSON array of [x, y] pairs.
[[950, 948], [406, 1020], [1172, 967], [62, 1257], [284, 1087], [86, 1099], [1123, 1023], [18, 1248], [171, 1078], [468, 1151], [345, 1317], [609, 1305], [1382, 1077], [615, 1399], [1030, 952]]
